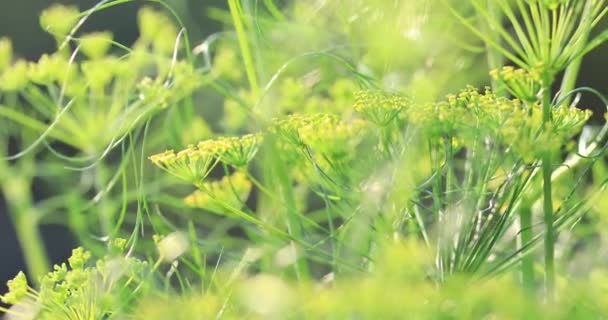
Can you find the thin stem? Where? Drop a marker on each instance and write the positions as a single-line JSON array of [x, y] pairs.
[[570, 76], [245, 50], [494, 56], [196, 253], [549, 230], [268, 193], [274, 10], [105, 209], [489, 40], [283, 182], [526, 236], [572, 71]]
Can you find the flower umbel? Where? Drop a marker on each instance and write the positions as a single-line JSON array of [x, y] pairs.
[[17, 289], [522, 84], [191, 164], [380, 107], [234, 151]]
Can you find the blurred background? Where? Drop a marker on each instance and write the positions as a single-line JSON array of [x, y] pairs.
[[19, 22]]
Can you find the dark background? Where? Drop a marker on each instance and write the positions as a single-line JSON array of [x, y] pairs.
[[19, 21]]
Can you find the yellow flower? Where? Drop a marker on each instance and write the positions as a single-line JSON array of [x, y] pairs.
[[191, 164], [234, 151], [380, 107]]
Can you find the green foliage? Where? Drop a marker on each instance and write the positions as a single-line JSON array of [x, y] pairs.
[[106, 93], [550, 35], [395, 289], [335, 174]]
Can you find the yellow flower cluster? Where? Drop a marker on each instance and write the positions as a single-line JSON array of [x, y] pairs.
[[324, 133], [525, 132], [194, 163], [319, 142], [234, 151], [522, 84], [380, 107], [289, 128], [475, 115], [191, 164]]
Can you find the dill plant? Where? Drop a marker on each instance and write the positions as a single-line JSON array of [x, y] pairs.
[[343, 178], [550, 37]]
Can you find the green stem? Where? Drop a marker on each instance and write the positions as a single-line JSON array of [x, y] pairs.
[[32, 245], [293, 224], [13, 114], [547, 196], [196, 253], [449, 175], [77, 221], [572, 71], [495, 58], [279, 178], [104, 208], [569, 80], [274, 10], [526, 236], [25, 219], [245, 50], [549, 230]]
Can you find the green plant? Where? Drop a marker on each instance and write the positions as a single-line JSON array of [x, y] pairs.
[[551, 36], [338, 177]]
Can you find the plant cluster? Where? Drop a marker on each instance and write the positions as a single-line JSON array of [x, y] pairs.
[[356, 181]]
